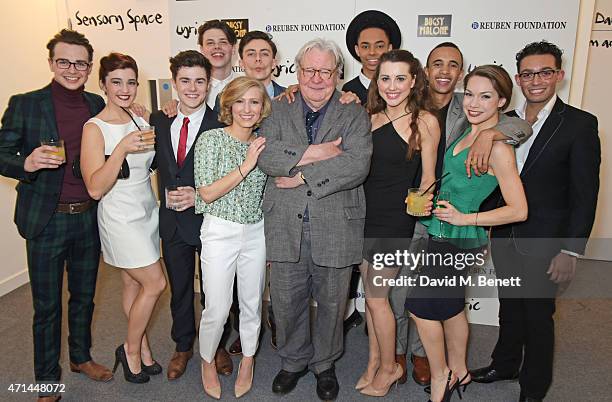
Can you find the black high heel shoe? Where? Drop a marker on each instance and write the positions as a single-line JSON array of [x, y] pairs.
[[153, 369], [457, 386], [120, 357], [448, 390]]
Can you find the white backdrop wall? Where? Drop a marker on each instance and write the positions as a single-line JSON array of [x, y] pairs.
[[486, 31], [596, 100], [152, 30], [24, 69]]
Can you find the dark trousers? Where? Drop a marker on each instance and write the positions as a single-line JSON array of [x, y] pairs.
[[180, 262], [526, 325], [71, 241]]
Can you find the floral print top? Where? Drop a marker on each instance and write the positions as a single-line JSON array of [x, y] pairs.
[[217, 153]]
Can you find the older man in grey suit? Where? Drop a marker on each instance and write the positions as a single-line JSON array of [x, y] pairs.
[[317, 156]]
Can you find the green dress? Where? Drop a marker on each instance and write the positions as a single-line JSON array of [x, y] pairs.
[[466, 195], [441, 302]]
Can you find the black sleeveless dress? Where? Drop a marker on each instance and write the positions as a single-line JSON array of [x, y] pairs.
[[387, 225]]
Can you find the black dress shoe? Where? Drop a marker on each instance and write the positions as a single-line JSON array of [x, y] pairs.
[[524, 398], [353, 320], [285, 381], [486, 375], [327, 385]]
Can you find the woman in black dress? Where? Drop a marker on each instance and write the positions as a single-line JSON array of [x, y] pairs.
[[405, 138]]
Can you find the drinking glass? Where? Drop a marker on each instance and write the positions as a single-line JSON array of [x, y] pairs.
[[59, 144], [170, 205], [415, 202], [146, 130], [442, 196]]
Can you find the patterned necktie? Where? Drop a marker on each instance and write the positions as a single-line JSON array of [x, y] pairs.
[[311, 117], [182, 146]]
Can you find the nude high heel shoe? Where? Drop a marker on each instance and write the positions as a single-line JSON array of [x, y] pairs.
[[364, 381], [241, 390], [213, 392], [371, 391]]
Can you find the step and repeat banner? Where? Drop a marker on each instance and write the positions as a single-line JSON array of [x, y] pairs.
[[486, 31]]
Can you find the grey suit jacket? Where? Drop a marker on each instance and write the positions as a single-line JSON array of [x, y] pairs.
[[517, 130], [333, 193]]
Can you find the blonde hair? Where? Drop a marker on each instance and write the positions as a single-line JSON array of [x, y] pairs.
[[237, 88]]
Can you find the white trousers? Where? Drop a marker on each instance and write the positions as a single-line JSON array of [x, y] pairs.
[[231, 250]]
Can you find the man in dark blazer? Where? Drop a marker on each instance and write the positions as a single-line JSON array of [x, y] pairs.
[[317, 155], [179, 226], [559, 167], [54, 212]]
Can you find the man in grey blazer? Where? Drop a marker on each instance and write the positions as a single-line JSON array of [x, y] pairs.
[[317, 155]]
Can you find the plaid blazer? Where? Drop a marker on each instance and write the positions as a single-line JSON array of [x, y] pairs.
[[29, 118]]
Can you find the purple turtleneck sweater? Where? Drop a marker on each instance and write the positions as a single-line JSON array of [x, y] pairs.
[[71, 113]]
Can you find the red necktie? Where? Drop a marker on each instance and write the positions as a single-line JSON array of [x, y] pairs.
[[182, 146]]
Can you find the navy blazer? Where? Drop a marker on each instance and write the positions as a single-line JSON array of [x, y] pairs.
[[187, 223], [561, 180]]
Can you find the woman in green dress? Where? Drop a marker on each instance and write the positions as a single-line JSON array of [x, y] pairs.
[[458, 231]]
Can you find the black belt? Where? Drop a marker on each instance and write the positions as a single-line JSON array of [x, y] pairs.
[[74, 207]]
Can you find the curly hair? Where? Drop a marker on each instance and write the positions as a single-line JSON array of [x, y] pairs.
[[537, 48]]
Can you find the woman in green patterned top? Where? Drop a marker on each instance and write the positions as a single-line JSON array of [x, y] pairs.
[[438, 309], [230, 188]]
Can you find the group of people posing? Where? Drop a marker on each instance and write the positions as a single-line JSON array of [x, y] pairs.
[[311, 182]]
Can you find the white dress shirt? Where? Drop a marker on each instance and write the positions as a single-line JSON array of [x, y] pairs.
[[365, 81], [270, 90], [522, 150], [195, 121], [216, 86]]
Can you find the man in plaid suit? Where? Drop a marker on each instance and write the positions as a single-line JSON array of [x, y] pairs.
[[54, 212]]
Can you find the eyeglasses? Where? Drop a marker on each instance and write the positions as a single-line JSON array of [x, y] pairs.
[[544, 74], [78, 65], [324, 73]]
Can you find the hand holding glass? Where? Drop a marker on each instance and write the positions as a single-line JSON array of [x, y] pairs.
[[59, 145], [147, 137], [416, 202], [442, 196], [170, 202]]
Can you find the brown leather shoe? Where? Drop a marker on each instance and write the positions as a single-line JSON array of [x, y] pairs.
[[420, 372], [235, 348], [178, 364], [223, 361], [49, 398], [93, 370], [401, 360]]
